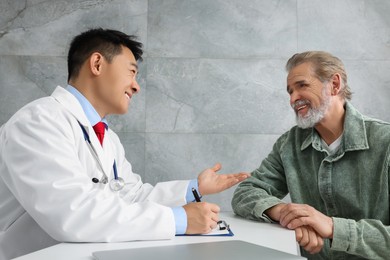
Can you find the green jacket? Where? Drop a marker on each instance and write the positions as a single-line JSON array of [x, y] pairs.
[[352, 185]]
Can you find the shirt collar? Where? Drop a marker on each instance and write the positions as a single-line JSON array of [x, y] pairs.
[[89, 110]]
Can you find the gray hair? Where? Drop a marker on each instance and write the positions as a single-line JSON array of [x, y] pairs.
[[325, 66]]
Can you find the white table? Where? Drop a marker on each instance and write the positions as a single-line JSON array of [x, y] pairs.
[[268, 235]]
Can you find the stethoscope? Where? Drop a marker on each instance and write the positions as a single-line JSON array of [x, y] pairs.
[[117, 183]]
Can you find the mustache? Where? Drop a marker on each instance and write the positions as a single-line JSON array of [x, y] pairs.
[[300, 102]]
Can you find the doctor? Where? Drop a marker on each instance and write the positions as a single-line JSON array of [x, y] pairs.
[[61, 181]]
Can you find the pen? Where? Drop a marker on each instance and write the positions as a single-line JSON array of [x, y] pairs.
[[196, 195]]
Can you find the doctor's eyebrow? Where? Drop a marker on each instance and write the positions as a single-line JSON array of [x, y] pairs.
[[134, 64]]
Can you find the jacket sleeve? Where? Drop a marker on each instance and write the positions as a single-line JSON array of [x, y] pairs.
[[264, 189], [44, 172], [368, 238]]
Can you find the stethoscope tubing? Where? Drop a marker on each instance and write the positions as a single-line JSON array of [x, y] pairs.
[[104, 180]]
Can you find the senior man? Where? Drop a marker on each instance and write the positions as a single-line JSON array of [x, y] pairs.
[[334, 164]]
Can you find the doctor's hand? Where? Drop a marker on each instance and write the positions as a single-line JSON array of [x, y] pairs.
[[202, 217], [210, 182]]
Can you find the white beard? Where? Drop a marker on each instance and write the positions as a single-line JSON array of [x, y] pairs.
[[314, 115]]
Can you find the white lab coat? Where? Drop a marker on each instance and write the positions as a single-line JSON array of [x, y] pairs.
[[46, 189]]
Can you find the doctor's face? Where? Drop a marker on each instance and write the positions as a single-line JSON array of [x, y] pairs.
[[118, 83]]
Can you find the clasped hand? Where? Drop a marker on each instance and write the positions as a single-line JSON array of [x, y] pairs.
[[310, 225]]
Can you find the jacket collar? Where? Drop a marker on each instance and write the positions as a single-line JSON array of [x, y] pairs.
[[354, 136]]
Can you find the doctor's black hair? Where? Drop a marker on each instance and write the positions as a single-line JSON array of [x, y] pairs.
[[105, 41]]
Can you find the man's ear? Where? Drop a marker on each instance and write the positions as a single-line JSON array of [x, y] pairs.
[[95, 63], [336, 84]]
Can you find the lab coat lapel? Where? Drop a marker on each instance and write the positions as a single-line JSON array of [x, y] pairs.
[[101, 151], [105, 152], [109, 154], [73, 106]]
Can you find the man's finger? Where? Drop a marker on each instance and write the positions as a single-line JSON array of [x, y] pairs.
[[298, 234]]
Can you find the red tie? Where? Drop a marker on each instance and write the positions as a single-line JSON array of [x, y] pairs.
[[99, 130]]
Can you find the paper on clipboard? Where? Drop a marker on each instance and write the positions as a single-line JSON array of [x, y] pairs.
[[222, 229]]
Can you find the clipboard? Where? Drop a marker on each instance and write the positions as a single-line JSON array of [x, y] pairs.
[[222, 229]]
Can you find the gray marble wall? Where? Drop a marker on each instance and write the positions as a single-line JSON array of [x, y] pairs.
[[213, 79]]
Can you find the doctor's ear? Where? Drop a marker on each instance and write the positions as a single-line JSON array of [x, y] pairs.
[[95, 63]]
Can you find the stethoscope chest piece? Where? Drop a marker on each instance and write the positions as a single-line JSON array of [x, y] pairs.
[[117, 184]]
